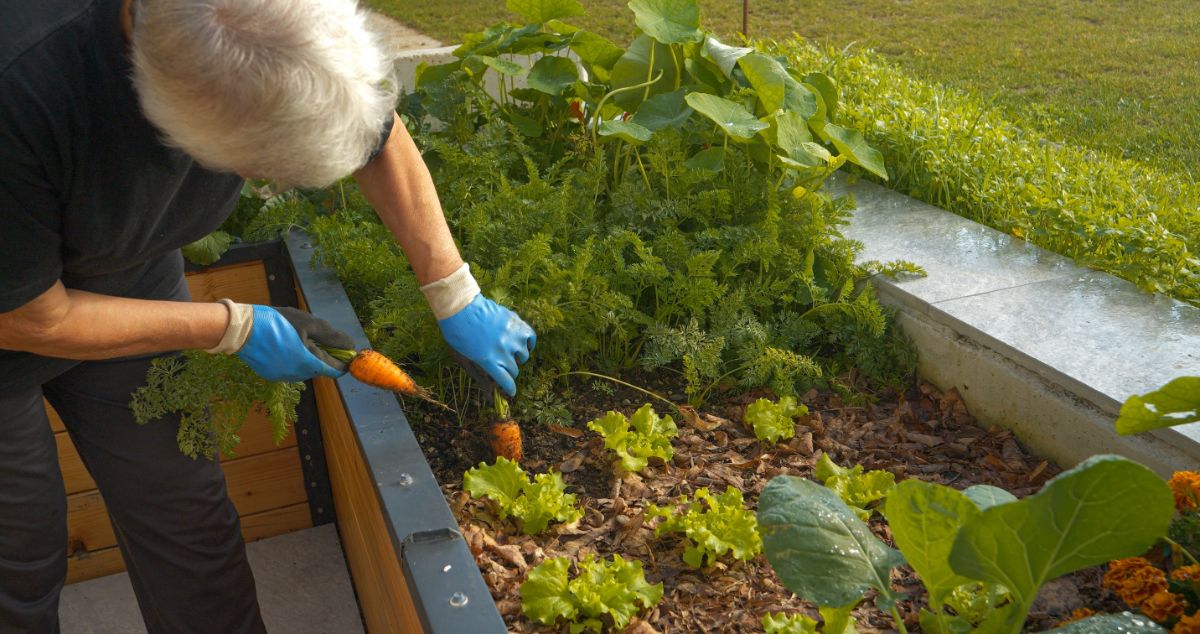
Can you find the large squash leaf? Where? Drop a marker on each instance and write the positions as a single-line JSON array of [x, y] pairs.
[[1176, 403], [819, 547], [1105, 508], [924, 519], [668, 21], [731, 116]]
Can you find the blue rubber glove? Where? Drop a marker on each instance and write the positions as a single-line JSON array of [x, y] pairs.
[[282, 345], [492, 337]]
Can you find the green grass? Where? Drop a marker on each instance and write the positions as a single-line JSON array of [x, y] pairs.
[[1115, 76]]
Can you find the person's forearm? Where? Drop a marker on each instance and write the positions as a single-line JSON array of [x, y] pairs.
[[73, 324], [398, 185]]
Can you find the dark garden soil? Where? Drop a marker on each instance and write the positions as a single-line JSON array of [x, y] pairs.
[[923, 433]]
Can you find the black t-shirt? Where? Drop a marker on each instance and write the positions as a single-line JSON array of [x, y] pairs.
[[88, 193]]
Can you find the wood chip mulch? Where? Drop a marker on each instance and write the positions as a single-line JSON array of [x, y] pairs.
[[925, 434]]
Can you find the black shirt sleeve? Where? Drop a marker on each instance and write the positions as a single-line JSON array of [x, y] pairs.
[[30, 208]]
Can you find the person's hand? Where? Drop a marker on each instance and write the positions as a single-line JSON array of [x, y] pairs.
[[484, 335], [492, 338], [283, 344]]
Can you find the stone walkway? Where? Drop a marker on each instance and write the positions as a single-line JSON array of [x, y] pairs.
[[398, 37]]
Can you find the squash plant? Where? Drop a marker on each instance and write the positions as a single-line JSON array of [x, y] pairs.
[[980, 552], [673, 76]]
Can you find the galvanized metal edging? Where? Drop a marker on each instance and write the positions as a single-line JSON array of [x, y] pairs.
[[447, 588]]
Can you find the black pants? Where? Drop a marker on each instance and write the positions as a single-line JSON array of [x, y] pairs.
[[178, 532]]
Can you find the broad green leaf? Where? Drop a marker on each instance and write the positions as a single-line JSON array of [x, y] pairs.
[[1124, 623], [502, 66], [595, 49], [704, 76], [709, 160], [731, 116], [635, 68], [853, 146], [668, 21], [667, 110], [208, 249], [1176, 403], [539, 11], [627, 131], [538, 43], [781, 623], [792, 136], [943, 623], [986, 496], [724, 56], [768, 78], [819, 547], [428, 75], [924, 519], [824, 87], [1105, 508], [839, 620], [544, 595], [526, 125], [552, 75]]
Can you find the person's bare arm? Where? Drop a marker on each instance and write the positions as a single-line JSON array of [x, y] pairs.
[[72, 324], [398, 185]]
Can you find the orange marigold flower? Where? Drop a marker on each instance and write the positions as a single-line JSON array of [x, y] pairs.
[[1134, 580], [1187, 625], [1186, 573], [1186, 487], [1078, 615], [1163, 606]]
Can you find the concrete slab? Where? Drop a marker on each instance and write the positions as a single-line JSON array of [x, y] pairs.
[[1095, 333], [962, 257], [398, 37], [303, 588]]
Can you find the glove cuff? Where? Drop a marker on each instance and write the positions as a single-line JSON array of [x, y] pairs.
[[241, 320], [452, 293]]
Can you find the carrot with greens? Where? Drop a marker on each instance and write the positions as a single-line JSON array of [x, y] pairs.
[[505, 433], [375, 369]]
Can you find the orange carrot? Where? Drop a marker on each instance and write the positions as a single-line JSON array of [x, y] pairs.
[[506, 439], [375, 369], [505, 433]]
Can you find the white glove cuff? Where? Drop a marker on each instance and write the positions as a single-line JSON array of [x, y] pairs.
[[452, 293], [241, 320]]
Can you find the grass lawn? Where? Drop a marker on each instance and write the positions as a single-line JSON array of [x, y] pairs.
[[1118, 76]]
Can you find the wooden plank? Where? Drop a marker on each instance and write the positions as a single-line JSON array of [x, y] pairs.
[[266, 481], [55, 422], [286, 519], [90, 565], [259, 484], [257, 437], [84, 564], [245, 283], [383, 594]]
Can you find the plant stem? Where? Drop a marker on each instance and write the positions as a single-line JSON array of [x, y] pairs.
[[898, 621], [616, 380], [597, 121], [1176, 546], [649, 70], [645, 179]]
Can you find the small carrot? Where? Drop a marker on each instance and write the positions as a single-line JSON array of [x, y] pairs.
[[375, 369], [506, 439], [505, 433]]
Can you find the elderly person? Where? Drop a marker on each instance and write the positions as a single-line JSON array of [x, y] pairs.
[[126, 129]]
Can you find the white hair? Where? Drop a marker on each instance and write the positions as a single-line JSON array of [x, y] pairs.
[[297, 91]]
